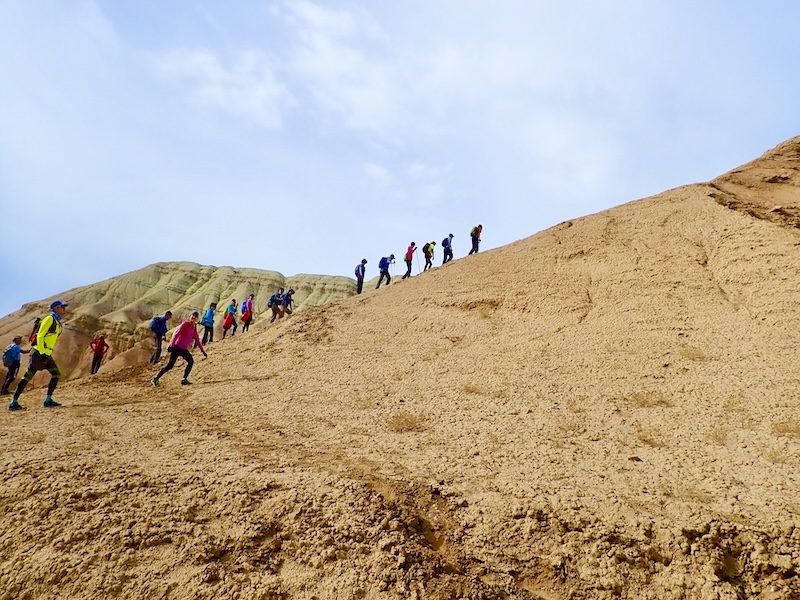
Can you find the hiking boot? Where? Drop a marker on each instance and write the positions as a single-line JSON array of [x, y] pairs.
[[50, 403], [16, 406], [185, 382], [154, 381]]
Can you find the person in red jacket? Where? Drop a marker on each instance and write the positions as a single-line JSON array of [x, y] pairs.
[[409, 258], [182, 340], [99, 348]]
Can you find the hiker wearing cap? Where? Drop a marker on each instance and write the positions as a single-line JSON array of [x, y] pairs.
[[383, 267], [230, 319], [183, 338], [99, 348], [360, 271], [274, 303], [208, 324], [447, 246], [409, 258], [247, 312], [475, 234], [42, 356], [287, 302], [12, 357], [427, 250], [159, 327]]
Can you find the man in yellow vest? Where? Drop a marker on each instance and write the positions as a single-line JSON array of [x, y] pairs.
[[42, 356]]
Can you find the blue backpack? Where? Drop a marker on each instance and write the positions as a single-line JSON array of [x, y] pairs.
[[384, 263]]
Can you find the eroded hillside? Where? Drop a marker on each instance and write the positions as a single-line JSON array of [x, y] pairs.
[[121, 307], [607, 409]]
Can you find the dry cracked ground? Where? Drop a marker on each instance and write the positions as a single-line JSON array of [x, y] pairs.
[[607, 409]]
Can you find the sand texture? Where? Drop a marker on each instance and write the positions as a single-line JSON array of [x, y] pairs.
[[607, 409]]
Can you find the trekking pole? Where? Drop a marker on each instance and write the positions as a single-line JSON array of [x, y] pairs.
[[416, 256]]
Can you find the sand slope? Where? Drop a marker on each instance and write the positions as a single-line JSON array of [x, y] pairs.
[[607, 409]]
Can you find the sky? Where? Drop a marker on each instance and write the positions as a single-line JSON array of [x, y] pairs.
[[300, 136]]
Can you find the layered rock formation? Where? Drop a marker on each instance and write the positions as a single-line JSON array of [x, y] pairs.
[[121, 307]]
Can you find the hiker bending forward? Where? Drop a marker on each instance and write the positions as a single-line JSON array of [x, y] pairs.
[[182, 340]]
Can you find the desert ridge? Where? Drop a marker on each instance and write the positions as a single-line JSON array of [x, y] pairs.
[[607, 408]]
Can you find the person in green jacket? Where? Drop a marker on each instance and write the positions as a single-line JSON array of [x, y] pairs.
[[42, 356]]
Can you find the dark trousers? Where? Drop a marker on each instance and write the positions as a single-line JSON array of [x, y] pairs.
[[475, 242], [40, 362], [359, 284], [96, 360], [208, 334], [428, 262], [156, 355], [384, 273], [173, 356], [234, 325], [246, 324], [408, 270], [448, 255], [10, 377]]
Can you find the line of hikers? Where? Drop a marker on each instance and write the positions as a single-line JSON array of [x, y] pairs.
[[385, 262], [46, 331]]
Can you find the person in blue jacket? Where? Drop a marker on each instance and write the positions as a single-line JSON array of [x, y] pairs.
[[383, 267], [16, 352], [447, 246], [159, 327], [208, 324], [360, 272]]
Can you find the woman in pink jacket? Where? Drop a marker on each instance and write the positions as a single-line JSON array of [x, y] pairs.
[[182, 340]]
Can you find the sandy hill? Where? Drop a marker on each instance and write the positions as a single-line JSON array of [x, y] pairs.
[[121, 308], [607, 409]]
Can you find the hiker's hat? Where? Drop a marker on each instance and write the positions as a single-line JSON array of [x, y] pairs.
[[16, 337], [58, 303]]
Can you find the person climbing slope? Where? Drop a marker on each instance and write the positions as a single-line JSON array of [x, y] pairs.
[[183, 338]]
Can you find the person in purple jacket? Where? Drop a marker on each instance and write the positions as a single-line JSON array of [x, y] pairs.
[[182, 340]]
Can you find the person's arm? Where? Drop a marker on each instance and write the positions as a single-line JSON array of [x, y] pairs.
[[197, 341]]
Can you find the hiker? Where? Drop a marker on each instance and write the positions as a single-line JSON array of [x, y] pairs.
[[360, 271], [185, 335], [247, 312], [383, 267], [274, 303], [447, 246], [409, 259], [12, 357], [230, 319], [286, 303], [99, 348], [159, 327], [42, 356], [475, 234], [208, 324], [427, 250]]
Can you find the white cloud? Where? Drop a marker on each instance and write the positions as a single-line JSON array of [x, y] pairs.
[[248, 87], [378, 173]]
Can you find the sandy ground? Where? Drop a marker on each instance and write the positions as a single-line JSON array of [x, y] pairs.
[[607, 409]]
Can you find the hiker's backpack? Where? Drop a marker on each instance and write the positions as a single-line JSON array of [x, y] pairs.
[[34, 331], [446, 242], [154, 323], [426, 248], [384, 263], [273, 300], [8, 359]]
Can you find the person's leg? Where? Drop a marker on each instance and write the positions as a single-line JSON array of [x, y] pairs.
[[10, 376], [187, 356], [235, 327], [173, 356], [359, 285], [205, 335], [55, 375]]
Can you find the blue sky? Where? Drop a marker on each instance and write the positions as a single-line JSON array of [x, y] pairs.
[[302, 136]]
